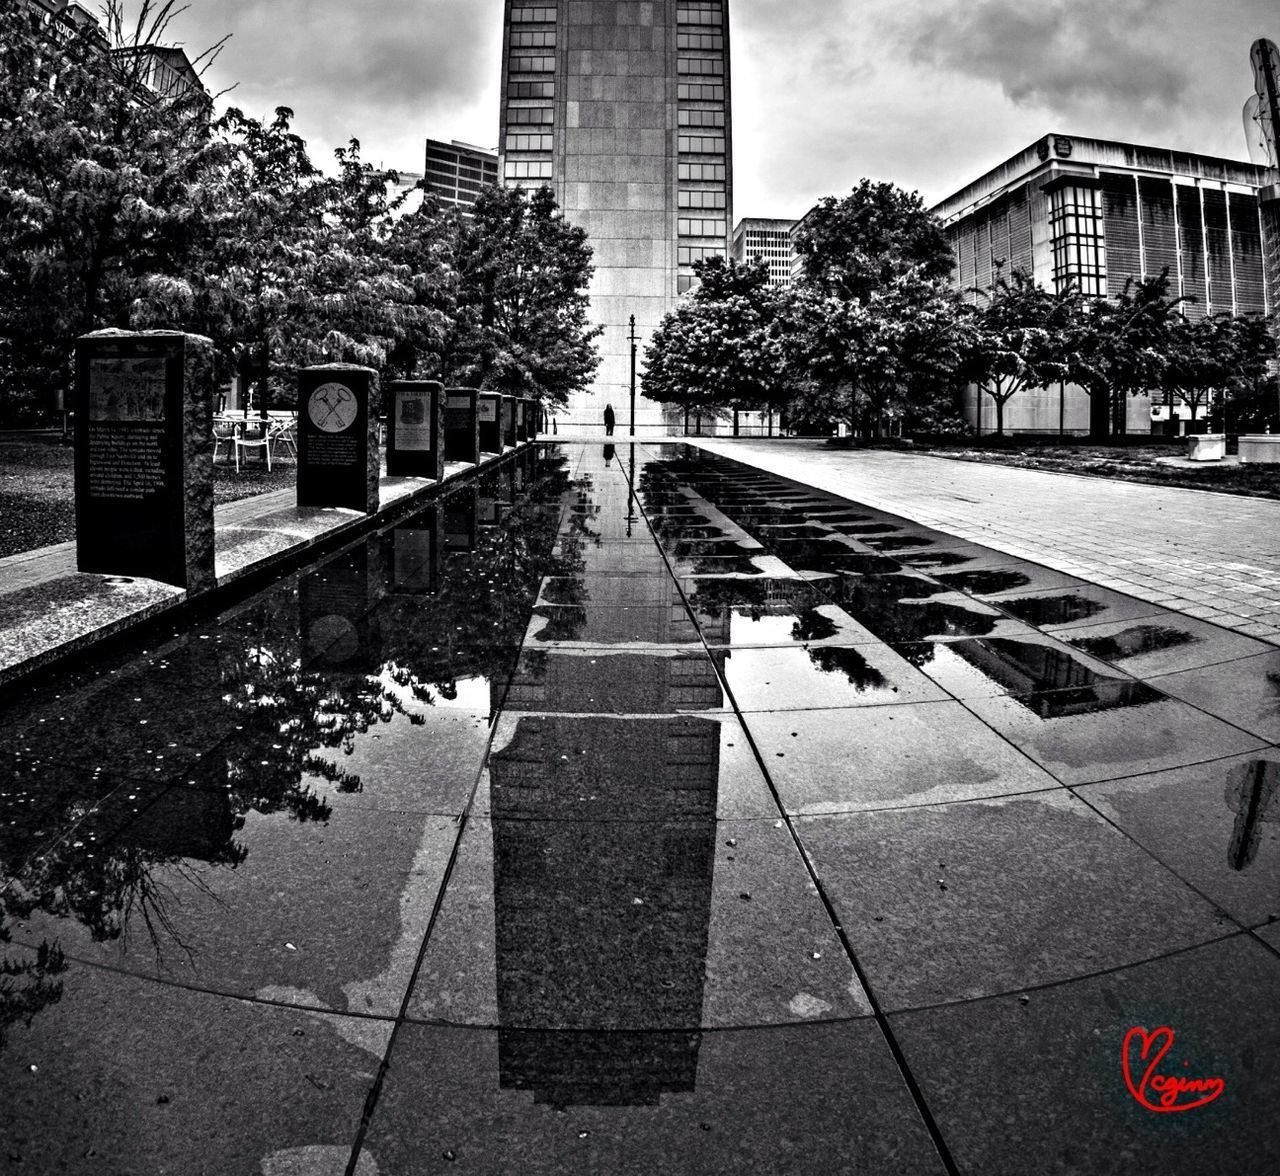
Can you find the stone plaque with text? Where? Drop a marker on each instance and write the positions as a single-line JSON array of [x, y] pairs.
[[490, 415], [144, 456], [415, 429], [461, 425], [338, 437]]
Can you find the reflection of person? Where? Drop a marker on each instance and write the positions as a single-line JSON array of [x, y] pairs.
[[608, 420], [608, 454]]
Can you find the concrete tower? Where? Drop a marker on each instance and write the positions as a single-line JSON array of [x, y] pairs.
[[623, 108]]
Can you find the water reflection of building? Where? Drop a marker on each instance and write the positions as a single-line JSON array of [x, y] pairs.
[[623, 683], [604, 846]]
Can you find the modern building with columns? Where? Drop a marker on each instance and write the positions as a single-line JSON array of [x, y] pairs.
[[1099, 214], [623, 108]]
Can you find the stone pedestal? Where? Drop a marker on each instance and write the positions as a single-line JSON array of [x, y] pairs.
[[522, 421], [1207, 447], [144, 456], [1260, 449], [490, 413], [509, 438], [415, 429], [338, 437], [462, 425]]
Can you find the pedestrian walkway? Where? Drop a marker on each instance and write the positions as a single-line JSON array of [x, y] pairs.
[[1211, 556], [632, 810]]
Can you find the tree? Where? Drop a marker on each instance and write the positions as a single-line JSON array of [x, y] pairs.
[[1122, 347], [719, 347], [521, 325], [1219, 360], [97, 174], [852, 247], [868, 360], [1019, 337]]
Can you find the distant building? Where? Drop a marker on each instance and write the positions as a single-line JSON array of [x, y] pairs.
[[623, 107], [155, 71], [456, 171], [769, 240], [1098, 214]]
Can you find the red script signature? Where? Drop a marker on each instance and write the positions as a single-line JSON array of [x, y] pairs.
[[1162, 1092]]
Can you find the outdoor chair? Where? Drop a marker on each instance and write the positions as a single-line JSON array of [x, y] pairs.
[[283, 432], [224, 433], [252, 434]]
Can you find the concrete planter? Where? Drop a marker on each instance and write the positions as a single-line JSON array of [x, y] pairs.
[[1207, 447], [1260, 449]]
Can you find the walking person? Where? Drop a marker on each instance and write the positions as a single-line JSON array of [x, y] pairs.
[[608, 420]]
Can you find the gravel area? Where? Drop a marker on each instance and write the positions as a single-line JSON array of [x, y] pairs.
[[37, 489]]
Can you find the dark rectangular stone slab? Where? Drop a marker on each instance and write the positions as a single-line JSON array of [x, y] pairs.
[[415, 429], [338, 437], [144, 462], [461, 425]]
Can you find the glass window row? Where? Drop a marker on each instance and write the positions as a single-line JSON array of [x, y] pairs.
[[687, 199], [529, 142], [706, 12], [700, 144], [533, 39], [532, 15], [699, 227], [522, 63], [700, 171], [528, 169], [700, 92], [711, 41], [521, 116], [688, 254], [546, 89], [711, 67], [700, 118]]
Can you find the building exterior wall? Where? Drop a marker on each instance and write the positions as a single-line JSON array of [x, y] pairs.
[[1103, 214], [769, 240], [455, 172], [623, 108]]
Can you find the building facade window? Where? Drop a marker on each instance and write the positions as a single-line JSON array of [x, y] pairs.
[[705, 13], [545, 89], [700, 66], [528, 142], [528, 169], [688, 254], [685, 283], [701, 118], [533, 39], [710, 41], [533, 15], [700, 144], [530, 116], [700, 171], [1079, 246], [699, 227], [526, 63], [700, 91], [688, 199]]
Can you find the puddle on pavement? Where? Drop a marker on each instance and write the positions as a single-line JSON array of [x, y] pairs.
[[984, 583], [1133, 641], [1059, 609]]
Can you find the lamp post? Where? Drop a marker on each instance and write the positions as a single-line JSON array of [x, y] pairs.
[[633, 375]]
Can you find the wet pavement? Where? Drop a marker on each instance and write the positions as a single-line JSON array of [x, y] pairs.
[[636, 810]]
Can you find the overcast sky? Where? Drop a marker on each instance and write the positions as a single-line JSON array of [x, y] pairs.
[[926, 93]]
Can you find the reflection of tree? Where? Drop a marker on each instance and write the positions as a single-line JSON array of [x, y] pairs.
[[263, 695], [1059, 609], [836, 659], [27, 985], [981, 582], [1133, 641]]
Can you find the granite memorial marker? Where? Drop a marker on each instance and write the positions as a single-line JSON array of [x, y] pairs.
[[490, 414], [338, 437], [144, 456], [415, 429], [462, 425]]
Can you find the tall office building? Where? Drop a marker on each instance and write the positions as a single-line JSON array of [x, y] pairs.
[[623, 108], [455, 172], [768, 239]]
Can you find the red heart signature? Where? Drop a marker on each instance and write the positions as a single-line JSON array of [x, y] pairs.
[[1169, 1088]]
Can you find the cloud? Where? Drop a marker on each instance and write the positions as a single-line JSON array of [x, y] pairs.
[[1058, 54]]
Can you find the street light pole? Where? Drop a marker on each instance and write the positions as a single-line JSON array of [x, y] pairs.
[[633, 375]]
